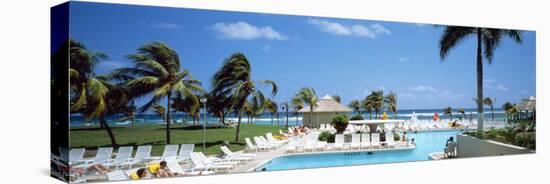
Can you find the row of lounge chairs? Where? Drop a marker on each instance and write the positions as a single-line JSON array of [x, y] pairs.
[[358, 142], [264, 144]]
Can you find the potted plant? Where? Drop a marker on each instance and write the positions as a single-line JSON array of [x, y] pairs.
[[340, 123]]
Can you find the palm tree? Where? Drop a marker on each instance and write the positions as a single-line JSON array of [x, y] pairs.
[[337, 98], [487, 38], [513, 111], [463, 112], [367, 105], [491, 103], [189, 106], [218, 106], [271, 107], [307, 96], [297, 104], [129, 113], [448, 111], [234, 79], [284, 107], [391, 102], [506, 107], [376, 100], [157, 71], [90, 95], [355, 105]]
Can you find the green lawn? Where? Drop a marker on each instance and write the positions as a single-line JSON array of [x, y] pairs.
[[155, 135]]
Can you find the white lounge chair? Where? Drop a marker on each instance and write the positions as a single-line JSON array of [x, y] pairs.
[[251, 147], [170, 150], [365, 141], [102, 156], [117, 175], [175, 168], [375, 140], [183, 155], [231, 154], [142, 153], [123, 156], [449, 150], [198, 164], [262, 143], [275, 144], [339, 142], [390, 142], [355, 141], [75, 155], [217, 161], [270, 138]]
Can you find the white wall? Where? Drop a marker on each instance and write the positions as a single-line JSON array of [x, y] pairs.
[[469, 146]]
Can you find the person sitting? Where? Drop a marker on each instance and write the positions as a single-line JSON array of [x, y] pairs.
[[95, 167], [139, 174], [450, 147], [160, 170], [404, 138]]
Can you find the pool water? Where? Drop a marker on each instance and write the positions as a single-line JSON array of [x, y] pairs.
[[426, 143]]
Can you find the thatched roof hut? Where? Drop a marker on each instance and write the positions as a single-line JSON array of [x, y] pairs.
[[323, 112]]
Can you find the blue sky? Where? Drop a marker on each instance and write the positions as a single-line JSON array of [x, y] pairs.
[[335, 56]]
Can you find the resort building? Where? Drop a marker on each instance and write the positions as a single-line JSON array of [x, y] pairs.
[[323, 112]]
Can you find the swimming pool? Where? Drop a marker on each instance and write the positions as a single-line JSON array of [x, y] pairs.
[[426, 143]]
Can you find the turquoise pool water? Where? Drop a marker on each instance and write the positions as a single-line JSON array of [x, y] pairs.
[[426, 143]]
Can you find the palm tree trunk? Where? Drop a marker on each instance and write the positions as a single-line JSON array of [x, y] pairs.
[[310, 115], [286, 118], [492, 112], [480, 115], [277, 116], [168, 114], [238, 126], [271, 118], [103, 123]]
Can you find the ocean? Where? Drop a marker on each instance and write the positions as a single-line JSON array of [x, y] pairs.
[[265, 119]]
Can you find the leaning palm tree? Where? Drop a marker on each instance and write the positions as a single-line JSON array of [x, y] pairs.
[[90, 95], [376, 101], [463, 112], [391, 103], [491, 103], [234, 79], [272, 108], [506, 107], [297, 104], [355, 105], [307, 96], [448, 111], [487, 38], [157, 71], [366, 104]]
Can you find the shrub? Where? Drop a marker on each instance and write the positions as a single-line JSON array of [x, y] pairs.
[[326, 136], [340, 123], [357, 117], [492, 134], [526, 139], [396, 137]]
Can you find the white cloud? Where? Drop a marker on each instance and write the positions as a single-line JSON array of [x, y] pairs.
[[168, 25], [524, 92], [490, 80], [266, 48], [407, 94], [423, 88], [403, 60], [501, 87], [245, 31], [335, 28]]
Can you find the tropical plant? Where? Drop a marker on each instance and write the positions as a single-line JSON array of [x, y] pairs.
[[340, 123], [506, 107], [355, 105], [189, 106], [367, 105], [234, 79], [157, 71], [448, 111], [297, 104], [337, 98], [272, 108], [284, 107], [489, 39], [326, 136], [218, 106], [463, 112], [391, 103], [91, 95], [307, 96], [491, 103], [376, 101], [357, 117]]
